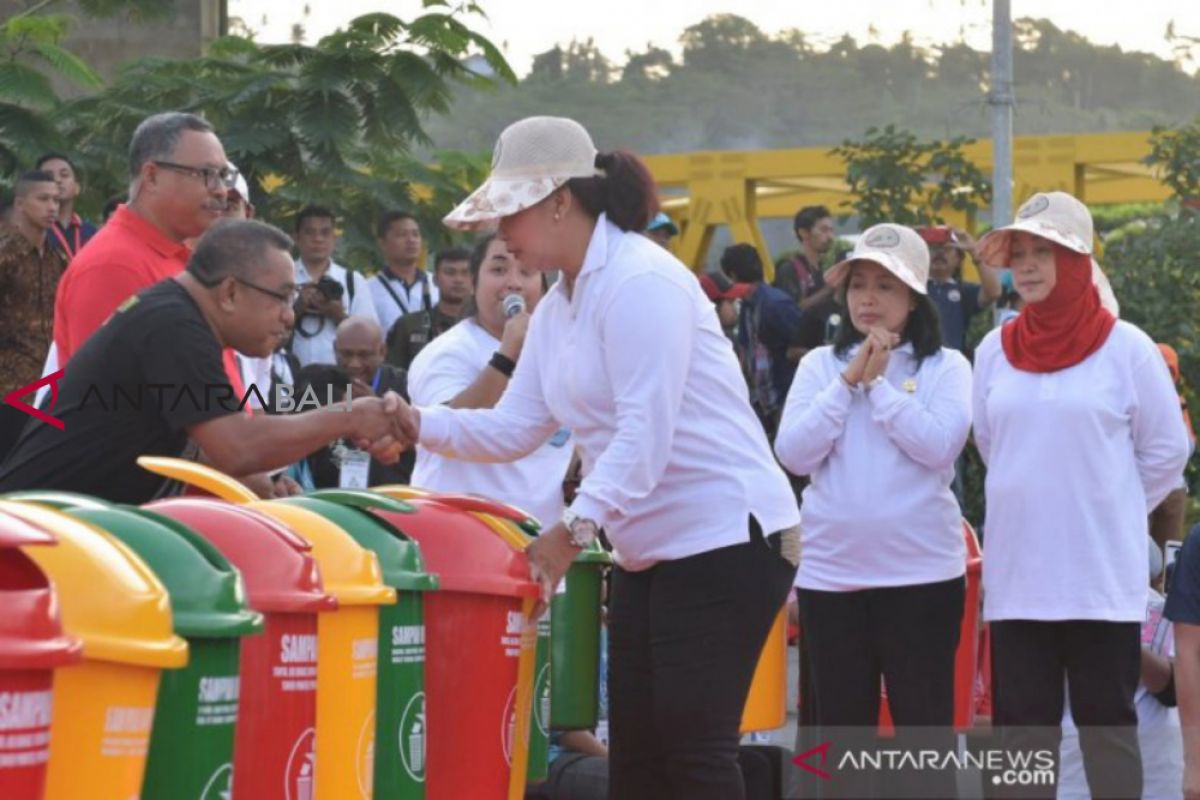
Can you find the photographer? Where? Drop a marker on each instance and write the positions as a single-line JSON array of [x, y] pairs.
[[328, 292]]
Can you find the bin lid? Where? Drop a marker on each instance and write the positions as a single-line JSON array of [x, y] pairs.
[[207, 595], [351, 572], [31, 635], [201, 476], [56, 499], [110, 599], [399, 556], [485, 505], [465, 553], [278, 568]]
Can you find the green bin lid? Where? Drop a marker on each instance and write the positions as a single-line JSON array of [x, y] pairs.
[[594, 554], [208, 599], [399, 556]]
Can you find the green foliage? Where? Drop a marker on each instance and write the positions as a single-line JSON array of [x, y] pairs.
[[894, 177], [1176, 154]]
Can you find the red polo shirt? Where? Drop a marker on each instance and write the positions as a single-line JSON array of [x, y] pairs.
[[126, 256]]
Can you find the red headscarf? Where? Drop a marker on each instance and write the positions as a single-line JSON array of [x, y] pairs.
[[1066, 327]]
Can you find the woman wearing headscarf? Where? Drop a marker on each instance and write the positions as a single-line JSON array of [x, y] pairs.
[[626, 351], [1079, 425]]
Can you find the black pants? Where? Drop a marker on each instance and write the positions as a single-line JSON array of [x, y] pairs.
[[1101, 662], [12, 423], [684, 638], [906, 635]]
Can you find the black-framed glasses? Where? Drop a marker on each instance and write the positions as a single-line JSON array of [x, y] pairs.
[[212, 176], [288, 298]]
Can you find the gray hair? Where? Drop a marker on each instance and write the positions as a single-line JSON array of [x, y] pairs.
[[235, 248], [157, 136]]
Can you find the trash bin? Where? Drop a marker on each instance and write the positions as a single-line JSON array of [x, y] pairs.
[[104, 705], [479, 653], [766, 702], [347, 652], [32, 646], [400, 705], [191, 744], [274, 746]]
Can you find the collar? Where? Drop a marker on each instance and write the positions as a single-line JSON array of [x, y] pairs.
[[905, 347], [335, 271], [140, 228], [76, 222], [421, 276], [598, 246]]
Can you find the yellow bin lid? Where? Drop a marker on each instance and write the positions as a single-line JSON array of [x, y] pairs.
[[350, 571], [109, 598]]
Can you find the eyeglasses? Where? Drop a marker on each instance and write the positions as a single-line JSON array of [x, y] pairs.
[[213, 178], [289, 298]]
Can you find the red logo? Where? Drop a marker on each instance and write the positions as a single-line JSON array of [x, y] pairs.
[[51, 380], [823, 751]]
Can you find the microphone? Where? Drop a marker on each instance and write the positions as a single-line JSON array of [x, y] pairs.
[[513, 304]]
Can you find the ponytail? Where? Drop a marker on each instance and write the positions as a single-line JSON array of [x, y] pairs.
[[625, 192]]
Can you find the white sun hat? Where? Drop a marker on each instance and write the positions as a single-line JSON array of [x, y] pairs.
[[533, 157], [899, 250]]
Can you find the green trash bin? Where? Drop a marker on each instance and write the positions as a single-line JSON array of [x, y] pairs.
[[400, 705], [539, 729], [191, 741], [575, 644]]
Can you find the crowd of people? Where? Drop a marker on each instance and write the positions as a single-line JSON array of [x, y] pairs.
[[694, 422]]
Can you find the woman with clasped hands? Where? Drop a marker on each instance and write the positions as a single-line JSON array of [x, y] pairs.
[[626, 351], [877, 419]]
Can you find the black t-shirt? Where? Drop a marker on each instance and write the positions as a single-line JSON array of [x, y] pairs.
[[1183, 595], [133, 389]]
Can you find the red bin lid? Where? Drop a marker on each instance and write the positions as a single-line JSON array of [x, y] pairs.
[[465, 553], [31, 635], [278, 567]]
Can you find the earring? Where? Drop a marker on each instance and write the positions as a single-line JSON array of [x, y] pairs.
[[557, 216]]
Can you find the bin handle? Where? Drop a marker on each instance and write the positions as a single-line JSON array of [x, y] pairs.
[[482, 505], [364, 500], [16, 531], [200, 476]]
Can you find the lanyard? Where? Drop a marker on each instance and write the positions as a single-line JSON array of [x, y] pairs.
[[57, 229], [375, 381]]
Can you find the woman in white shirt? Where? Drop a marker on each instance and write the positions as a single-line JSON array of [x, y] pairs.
[[626, 351], [1078, 422], [877, 419], [460, 369]]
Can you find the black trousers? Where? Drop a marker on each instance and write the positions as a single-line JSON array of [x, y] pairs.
[[1100, 662], [12, 423], [684, 638], [906, 635]]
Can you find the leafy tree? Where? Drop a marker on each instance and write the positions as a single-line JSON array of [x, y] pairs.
[[1176, 154], [894, 177]]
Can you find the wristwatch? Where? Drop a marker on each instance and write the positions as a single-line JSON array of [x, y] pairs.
[[581, 532]]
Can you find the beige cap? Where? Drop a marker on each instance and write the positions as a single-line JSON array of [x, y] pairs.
[[533, 157], [899, 250], [1056, 216]]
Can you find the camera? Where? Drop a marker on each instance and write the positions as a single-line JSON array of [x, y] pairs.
[[329, 288]]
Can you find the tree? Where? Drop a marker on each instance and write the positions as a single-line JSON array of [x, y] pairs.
[[720, 42], [894, 177], [1175, 152]]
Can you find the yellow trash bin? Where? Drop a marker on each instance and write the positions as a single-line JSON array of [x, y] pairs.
[[347, 652], [104, 705], [766, 704]]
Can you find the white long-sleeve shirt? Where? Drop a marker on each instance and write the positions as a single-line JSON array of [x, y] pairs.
[[1076, 460], [879, 510], [634, 363], [317, 348], [446, 366]]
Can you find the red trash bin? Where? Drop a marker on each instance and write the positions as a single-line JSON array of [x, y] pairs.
[[274, 747], [475, 629], [32, 644]]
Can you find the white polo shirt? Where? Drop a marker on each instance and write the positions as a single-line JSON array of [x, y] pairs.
[[1076, 461], [635, 364], [879, 510], [317, 348], [443, 368], [393, 299]]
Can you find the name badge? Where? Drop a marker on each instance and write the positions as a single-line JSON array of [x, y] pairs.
[[355, 469]]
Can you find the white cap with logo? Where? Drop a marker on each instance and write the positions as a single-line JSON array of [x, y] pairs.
[[896, 248]]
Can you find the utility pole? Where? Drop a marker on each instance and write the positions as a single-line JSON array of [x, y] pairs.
[[1000, 98]]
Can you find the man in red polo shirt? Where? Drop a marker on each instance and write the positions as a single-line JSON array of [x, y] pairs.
[[179, 177]]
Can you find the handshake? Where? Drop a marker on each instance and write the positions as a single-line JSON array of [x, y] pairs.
[[383, 426]]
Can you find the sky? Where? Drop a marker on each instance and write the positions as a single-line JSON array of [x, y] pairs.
[[526, 27]]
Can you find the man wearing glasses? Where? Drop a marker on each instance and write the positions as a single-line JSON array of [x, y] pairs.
[[179, 177], [151, 381]]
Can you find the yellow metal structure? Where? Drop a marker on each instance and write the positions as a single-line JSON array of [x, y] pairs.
[[705, 190]]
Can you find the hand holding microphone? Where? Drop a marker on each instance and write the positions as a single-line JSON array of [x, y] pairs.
[[513, 338]]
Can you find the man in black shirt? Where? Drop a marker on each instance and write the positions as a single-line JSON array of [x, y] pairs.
[[151, 381]]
